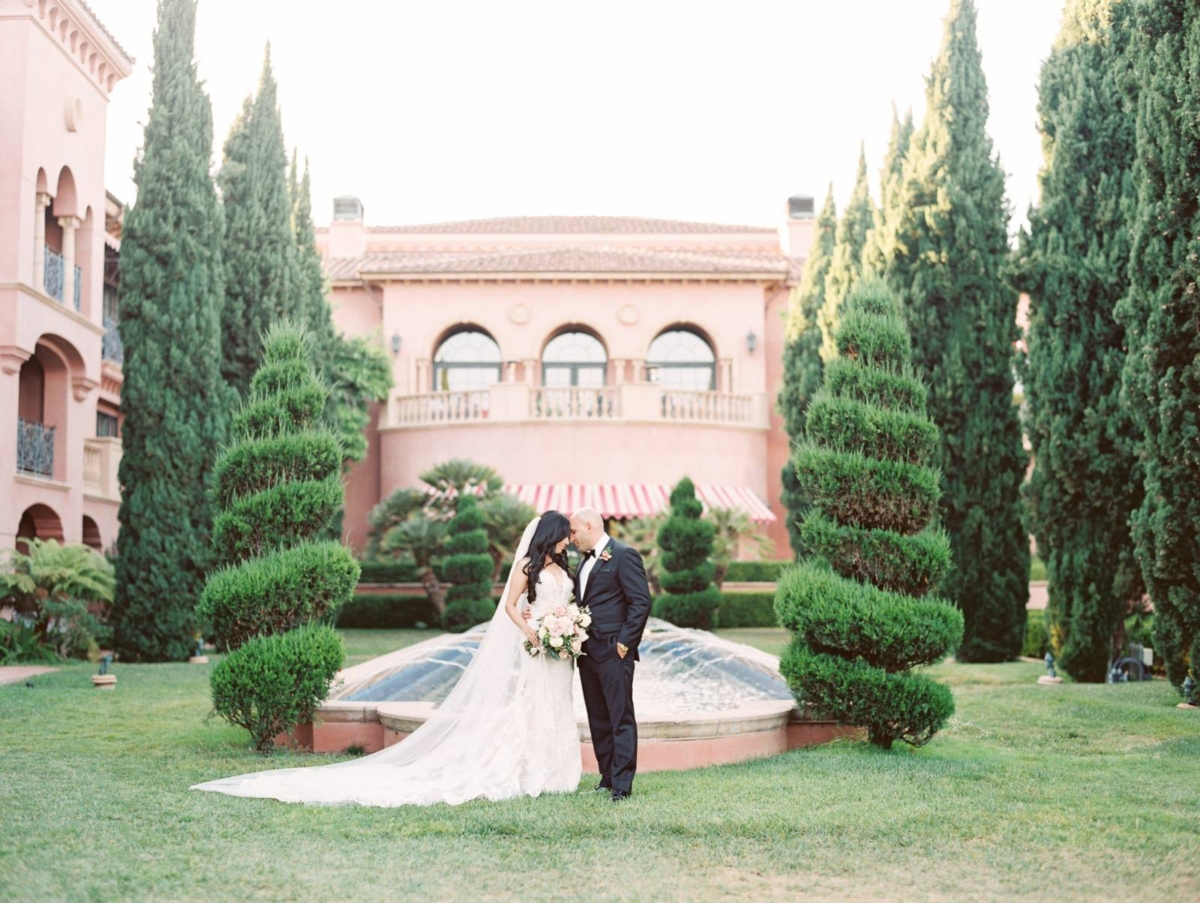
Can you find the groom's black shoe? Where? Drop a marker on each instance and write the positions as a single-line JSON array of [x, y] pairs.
[[618, 795], [601, 788]]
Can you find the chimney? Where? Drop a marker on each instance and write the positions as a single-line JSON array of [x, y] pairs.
[[347, 234], [798, 231]]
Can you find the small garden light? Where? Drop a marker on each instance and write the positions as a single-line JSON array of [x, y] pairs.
[[1051, 675], [103, 680], [1189, 690]]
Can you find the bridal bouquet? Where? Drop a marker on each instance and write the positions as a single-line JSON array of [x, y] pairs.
[[562, 632]]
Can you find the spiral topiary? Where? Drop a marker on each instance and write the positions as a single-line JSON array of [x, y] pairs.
[[468, 568], [860, 609], [277, 488], [689, 597]]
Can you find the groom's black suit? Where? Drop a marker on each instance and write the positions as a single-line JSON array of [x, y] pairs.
[[619, 598]]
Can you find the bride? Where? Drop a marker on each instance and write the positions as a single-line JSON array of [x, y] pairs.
[[507, 729]]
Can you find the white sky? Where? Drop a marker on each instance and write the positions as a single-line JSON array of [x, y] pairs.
[[435, 110]]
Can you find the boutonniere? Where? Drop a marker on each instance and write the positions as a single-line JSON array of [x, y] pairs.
[[606, 555]]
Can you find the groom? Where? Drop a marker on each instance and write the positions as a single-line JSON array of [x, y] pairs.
[[610, 581]]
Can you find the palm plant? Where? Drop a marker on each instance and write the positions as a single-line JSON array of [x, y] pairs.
[[391, 512], [452, 478], [421, 537], [505, 518], [642, 534], [732, 528], [49, 587]]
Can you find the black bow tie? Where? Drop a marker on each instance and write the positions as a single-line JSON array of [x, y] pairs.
[[590, 553]]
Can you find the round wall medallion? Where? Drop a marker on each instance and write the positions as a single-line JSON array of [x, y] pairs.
[[74, 114], [519, 313], [628, 315]]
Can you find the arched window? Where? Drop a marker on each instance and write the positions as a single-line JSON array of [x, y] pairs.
[[574, 359], [682, 359], [469, 359]]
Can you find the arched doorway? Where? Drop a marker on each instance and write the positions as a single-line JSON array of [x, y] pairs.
[[574, 358], [38, 522], [91, 534]]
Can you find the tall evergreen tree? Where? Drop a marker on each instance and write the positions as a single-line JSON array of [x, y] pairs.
[[357, 369], [891, 178], [263, 282], [845, 270], [1072, 263], [947, 263], [175, 402], [802, 356], [1161, 315]]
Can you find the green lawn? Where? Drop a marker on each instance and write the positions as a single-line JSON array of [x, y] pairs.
[[1063, 793]]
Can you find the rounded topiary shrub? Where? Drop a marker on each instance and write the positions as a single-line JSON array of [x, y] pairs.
[[689, 597], [271, 683], [860, 608], [468, 567], [277, 489]]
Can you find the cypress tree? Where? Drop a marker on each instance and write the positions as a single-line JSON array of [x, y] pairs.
[[1161, 315], [277, 487], [468, 567], [356, 369], [947, 264], [802, 356], [263, 282], [689, 597], [846, 267], [175, 403], [1072, 263], [861, 608], [891, 179]]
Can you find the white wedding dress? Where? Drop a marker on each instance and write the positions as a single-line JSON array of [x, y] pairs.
[[506, 730]]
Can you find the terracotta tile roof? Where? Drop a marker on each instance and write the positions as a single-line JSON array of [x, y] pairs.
[[559, 259], [537, 225], [108, 34]]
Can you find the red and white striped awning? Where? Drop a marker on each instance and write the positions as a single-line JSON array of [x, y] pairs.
[[625, 500]]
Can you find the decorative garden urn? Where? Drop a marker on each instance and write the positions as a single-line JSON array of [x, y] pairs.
[[1190, 700]]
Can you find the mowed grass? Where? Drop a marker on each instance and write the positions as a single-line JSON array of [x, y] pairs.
[[1069, 793]]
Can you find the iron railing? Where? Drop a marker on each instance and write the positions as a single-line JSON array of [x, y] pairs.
[[54, 274], [111, 348], [35, 448]]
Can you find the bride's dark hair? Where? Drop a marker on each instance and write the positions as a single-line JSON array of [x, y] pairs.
[[551, 530]]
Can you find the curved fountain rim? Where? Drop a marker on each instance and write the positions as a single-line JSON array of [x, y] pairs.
[[350, 680]]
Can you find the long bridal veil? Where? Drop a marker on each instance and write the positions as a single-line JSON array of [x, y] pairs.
[[471, 746]]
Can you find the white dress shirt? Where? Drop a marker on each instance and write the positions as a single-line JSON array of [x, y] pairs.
[[585, 569]]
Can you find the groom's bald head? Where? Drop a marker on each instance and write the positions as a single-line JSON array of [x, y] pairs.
[[586, 528]]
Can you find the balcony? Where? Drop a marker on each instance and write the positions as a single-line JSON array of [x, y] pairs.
[[53, 278], [35, 448], [100, 460], [626, 403]]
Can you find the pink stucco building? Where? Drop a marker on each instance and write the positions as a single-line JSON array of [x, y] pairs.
[[589, 359], [60, 356]]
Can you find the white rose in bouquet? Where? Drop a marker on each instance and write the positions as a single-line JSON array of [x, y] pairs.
[[556, 642]]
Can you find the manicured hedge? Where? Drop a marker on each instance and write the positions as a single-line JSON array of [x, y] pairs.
[[755, 571], [747, 609], [387, 610], [403, 570]]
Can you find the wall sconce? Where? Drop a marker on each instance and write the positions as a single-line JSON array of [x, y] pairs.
[[395, 343], [751, 341]]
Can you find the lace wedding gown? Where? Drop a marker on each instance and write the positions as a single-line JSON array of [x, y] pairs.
[[506, 730]]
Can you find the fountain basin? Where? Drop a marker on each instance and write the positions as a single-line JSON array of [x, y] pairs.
[[701, 700]]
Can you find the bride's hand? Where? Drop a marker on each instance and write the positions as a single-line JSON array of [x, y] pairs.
[[532, 636]]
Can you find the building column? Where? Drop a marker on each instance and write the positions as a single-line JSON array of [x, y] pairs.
[[422, 385], [39, 241], [69, 226], [639, 371], [510, 372], [618, 365], [531, 374], [725, 375]]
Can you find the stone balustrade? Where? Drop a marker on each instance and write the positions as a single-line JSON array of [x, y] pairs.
[[101, 457], [627, 402]]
